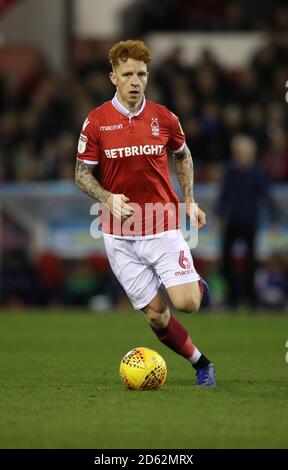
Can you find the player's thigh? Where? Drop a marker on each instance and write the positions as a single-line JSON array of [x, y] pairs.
[[176, 270], [173, 260], [138, 280], [185, 297]]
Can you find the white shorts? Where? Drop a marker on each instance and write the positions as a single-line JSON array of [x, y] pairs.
[[142, 265]]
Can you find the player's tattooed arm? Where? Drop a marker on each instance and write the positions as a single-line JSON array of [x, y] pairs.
[[184, 170], [88, 184], [117, 203], [185, 173]]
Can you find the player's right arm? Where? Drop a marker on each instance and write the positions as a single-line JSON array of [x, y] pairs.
[[88, 184], [87, 158], [85, 180]]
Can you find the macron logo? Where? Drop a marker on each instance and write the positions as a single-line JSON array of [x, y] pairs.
[[181, 273], [115, 127]]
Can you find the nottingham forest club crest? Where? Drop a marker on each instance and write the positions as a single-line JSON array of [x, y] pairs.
[[155, 127]]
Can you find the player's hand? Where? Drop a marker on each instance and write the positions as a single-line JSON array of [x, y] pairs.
[[118, 206], [197, 216]]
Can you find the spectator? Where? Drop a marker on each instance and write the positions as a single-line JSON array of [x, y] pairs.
[[243, 189]]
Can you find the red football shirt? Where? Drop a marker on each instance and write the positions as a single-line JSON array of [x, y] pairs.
[[131, 150]]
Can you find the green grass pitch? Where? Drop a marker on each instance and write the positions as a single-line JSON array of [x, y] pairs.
[[59, 383]]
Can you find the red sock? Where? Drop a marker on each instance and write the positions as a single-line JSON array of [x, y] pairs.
[[176, 338]]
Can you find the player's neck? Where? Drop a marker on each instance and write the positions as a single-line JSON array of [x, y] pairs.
[[131, 107]]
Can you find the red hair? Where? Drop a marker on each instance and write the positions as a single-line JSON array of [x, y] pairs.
[[130, 49]]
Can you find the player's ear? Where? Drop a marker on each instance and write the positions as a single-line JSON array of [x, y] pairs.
[[113, 78]]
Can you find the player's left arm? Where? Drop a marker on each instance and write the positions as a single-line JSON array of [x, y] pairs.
[[184, 170]]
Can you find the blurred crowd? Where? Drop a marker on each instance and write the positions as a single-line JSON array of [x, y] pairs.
[[42, 114], [141, 16], [48, 280]]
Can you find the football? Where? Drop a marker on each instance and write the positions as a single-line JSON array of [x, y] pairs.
[[143, 369]]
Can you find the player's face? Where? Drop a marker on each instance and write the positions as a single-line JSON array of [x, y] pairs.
[[130, 79]]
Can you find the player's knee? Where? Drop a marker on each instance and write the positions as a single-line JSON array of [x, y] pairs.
[[187, 304], [157, 319]]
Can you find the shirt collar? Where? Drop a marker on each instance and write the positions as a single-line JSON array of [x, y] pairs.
[[119, 106]]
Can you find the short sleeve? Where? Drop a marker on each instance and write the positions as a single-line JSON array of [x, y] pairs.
[[177, 137], [89, 143]]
